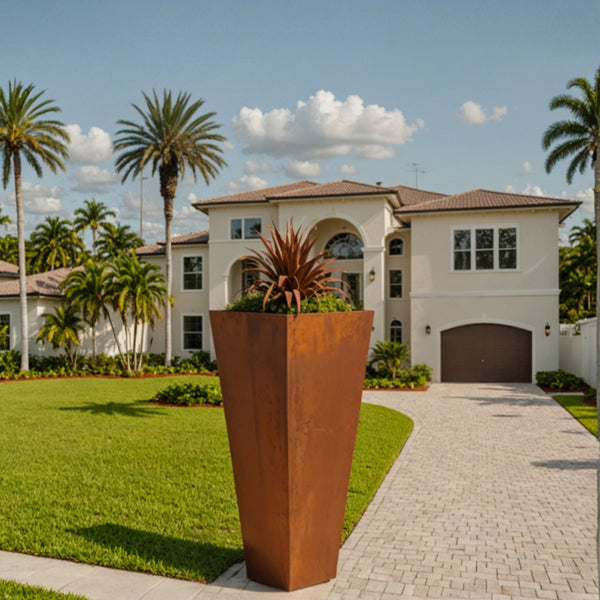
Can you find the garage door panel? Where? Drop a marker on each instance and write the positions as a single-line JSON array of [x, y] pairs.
[[485, 352]]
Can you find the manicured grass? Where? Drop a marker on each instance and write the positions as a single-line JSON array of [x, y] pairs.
[[92, 473], [10, 590], [585, 414]]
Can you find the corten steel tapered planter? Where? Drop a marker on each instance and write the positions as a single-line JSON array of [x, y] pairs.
[[292, 387]]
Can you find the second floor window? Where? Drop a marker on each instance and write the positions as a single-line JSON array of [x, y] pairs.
[[485, 249], [192, 273], [395, 283], [246, 229]]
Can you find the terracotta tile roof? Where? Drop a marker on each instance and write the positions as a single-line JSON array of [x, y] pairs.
[[409, 196], [40, 284], [342, 187], [256, 195], [187, 239], [485, 200], [8, 269]]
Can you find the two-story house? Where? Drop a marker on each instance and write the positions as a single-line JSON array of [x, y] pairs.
[[468, 281]]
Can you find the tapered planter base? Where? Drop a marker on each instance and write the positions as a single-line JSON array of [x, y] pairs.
[[292, 388]]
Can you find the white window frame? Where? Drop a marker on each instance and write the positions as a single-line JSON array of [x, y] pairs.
[[400, 327], [243, 221], [401, 296], [495, 248], [183, 273], [183, 331]]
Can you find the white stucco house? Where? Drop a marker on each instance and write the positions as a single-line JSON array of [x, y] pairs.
[[468, 281]]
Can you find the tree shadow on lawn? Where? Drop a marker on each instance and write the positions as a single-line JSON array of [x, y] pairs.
[[139, 408], [164, 555]]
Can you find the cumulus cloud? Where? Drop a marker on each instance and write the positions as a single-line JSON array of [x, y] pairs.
[[93, 147], [473, 113], [324, 127], [347, 170], [42, 205], [91, 178], [528, 190], [586, 197], [246, 182], [302, 169], [254, 166], [526, 168]]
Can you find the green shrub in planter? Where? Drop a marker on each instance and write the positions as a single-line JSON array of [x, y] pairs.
[[190, 394]]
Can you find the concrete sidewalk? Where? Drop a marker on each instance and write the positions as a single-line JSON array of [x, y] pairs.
[[493, 498]]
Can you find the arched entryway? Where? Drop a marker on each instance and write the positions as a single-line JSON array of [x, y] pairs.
[[486, 352]]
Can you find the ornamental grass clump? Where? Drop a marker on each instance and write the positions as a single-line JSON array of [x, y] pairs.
[[288, 278]]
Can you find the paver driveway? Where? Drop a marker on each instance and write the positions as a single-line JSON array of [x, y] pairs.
[[493, 497]]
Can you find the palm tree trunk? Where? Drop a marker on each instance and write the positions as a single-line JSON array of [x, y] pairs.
[[22, 265], [597, 216], [112, 326], [169, 278]]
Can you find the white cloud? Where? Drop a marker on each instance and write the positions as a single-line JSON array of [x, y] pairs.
[[473, 113], [42, 205], [528, 190], [302, 169], [347, 170], [191, 197], [246, 182], [585, 196], [33, 190], [526, 168], [93, 147], [254, 166], [324, 127], [94, 179], [228, 145]]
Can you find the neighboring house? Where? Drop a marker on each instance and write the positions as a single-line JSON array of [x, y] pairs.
[[8, 271], [43, 296], [468, 281]]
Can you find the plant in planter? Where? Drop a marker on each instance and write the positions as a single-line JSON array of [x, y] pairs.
[[292, 385]]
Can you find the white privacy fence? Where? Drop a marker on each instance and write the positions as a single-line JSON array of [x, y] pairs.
[[577, 349]]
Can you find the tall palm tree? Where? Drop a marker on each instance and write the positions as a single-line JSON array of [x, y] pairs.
[[9, 249], [27, 131], [92, 216], [578, 140], [172, 135], [54, 244], [62, 328]]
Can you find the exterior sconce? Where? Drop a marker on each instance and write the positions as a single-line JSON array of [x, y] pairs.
[[372, 274], [427, 329], [547, 329]]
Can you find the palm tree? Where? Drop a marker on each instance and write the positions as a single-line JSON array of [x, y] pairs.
[[26, 130], [171, 137], [9, 249], [581, 144], [389, 356], [62, 329], [115, 240], [54, 244], [93, 216], [4, 219], [137, 292]]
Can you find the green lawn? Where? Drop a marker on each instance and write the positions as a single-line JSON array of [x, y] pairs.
[[585, 414], [16, 591], [92, 473]]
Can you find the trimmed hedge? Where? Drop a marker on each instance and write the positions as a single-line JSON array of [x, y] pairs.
[[559, 380], [190, 394]]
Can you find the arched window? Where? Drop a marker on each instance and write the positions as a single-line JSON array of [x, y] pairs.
[[396, 331], [344, 246], [396, 246]]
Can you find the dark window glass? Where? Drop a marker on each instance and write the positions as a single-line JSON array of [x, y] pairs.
[[395, 284], [192, 332], [396, 247], [353, 287], [396, 331], [251, 228], [507, 248], [236, 229], [462, 250], [344, 246], [248, 277], [484, 249], [192, 273]]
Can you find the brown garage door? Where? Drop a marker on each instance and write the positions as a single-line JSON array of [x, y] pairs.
[[485, 352]]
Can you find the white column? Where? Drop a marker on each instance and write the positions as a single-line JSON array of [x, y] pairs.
[[374, 291]]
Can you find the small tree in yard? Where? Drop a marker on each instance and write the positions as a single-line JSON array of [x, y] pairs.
[[62, 329], [389, 356]]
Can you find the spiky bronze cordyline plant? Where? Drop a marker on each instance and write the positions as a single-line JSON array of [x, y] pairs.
[[291, 276]]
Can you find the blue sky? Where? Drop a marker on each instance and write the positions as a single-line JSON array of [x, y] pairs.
[[317, 90]]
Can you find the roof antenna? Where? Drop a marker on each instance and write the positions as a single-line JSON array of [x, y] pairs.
[[415, 167]]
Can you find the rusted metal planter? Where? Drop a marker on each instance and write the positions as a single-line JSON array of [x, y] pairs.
[[292, 389]]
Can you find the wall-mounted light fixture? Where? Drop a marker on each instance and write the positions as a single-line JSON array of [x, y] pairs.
[[372, 274], [547, 329], [427, 329]]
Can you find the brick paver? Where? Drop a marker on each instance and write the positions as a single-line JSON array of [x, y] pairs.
[[493, 498]]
